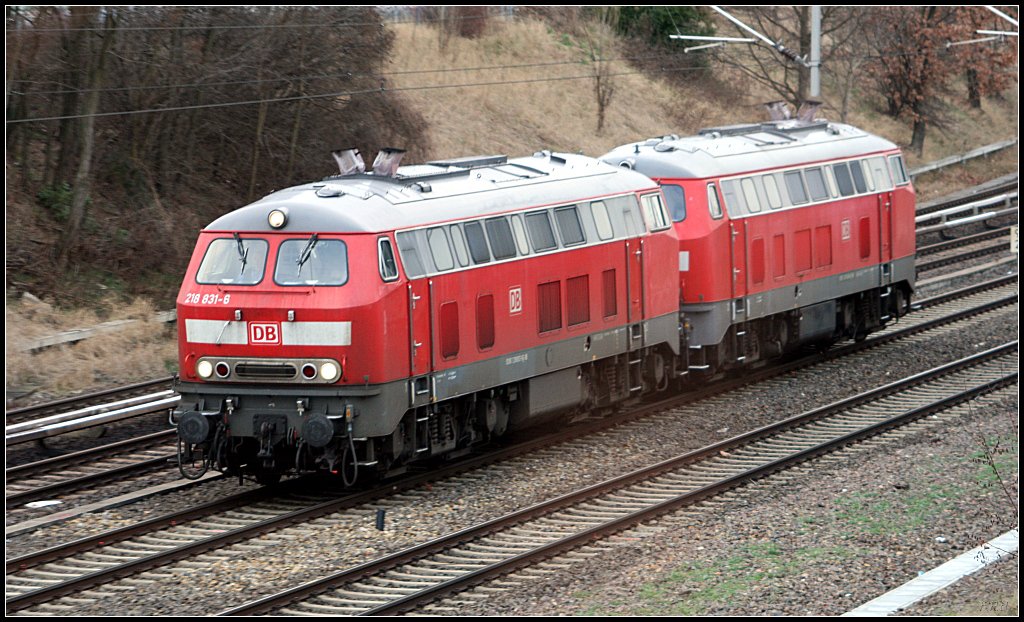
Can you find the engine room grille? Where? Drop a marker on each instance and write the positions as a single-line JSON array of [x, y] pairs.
[[266, 371]]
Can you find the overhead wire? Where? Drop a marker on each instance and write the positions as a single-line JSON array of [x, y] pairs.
[[326, 24], [347, 74], [381, 89]]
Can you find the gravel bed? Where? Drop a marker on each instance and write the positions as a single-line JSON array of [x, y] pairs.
[[287, 558], [821, 543], [928, 290]]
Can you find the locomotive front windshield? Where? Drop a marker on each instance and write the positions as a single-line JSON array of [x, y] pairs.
[[312, 261], [234, 261]]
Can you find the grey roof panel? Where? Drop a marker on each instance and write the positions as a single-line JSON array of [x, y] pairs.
[[418, 195], [720, 152]]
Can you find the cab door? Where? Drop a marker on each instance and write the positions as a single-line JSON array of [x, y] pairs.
[[420, 347], [885, 235], [634, 266], [738, 253]]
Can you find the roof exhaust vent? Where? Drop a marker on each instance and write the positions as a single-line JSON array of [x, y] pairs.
[[807, 111], [778, 110], [349, 161], [387, 161]]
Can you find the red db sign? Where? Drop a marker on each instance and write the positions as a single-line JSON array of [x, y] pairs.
[[268, 333]]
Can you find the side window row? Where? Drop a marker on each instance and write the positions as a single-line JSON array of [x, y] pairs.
[[460, 245], [750, 195]]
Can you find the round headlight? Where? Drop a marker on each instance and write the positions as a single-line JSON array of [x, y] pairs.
[[329, 372], [204, 369], [277, 218]]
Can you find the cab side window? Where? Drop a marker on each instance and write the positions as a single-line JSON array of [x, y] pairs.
[[714, 207], [386, 260]]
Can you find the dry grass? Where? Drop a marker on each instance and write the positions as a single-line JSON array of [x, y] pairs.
[[142, 351], [519, 119]]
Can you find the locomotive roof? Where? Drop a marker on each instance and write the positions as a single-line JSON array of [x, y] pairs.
[[722, 151], [435, 192]]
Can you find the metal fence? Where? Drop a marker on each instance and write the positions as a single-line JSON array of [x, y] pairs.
[[960, 159]]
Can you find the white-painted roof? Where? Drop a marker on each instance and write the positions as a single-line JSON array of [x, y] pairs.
[[732, 150], [436, 192]]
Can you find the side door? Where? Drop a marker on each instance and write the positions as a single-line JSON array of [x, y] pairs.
[[420, 339], [885, 235], [634, 267], [738, 255]]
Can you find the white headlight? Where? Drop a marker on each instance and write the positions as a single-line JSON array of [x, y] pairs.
[[204, 369], [329, 372], [277, 218]]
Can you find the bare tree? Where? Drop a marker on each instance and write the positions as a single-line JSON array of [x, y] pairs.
[[87, 124], [597, 40]]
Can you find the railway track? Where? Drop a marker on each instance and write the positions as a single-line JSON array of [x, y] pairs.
[[993, 188], [970, 247], [103, 558], [420, 575], [46, 479], [80, 402]]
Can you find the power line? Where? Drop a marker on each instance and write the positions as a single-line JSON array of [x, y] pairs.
[[328, 24], [347, 74], [339, 94]]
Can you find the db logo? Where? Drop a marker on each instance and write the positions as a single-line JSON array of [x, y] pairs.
[[515, 300], [265, 334]]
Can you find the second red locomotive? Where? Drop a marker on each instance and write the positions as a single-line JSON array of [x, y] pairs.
[[790, 232]]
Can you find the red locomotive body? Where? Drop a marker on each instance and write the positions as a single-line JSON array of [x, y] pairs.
[[373, 320], [790, 233]]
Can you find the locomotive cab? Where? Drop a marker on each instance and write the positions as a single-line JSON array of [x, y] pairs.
[[276, 330]]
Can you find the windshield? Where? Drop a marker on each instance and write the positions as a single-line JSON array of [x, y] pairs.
[[234, 261], [311, 261]]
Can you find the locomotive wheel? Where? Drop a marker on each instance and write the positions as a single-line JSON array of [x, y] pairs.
[[902, 308], [267, 477], [495, 416]]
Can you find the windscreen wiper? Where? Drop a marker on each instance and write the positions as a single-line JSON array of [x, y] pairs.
[[304, 256], [243, 252]]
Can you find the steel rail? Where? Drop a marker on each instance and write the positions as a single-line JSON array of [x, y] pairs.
[[80, 400], [88, 421]]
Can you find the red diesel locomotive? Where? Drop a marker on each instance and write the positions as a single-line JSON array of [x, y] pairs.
[[376, 319], [790, 232]]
